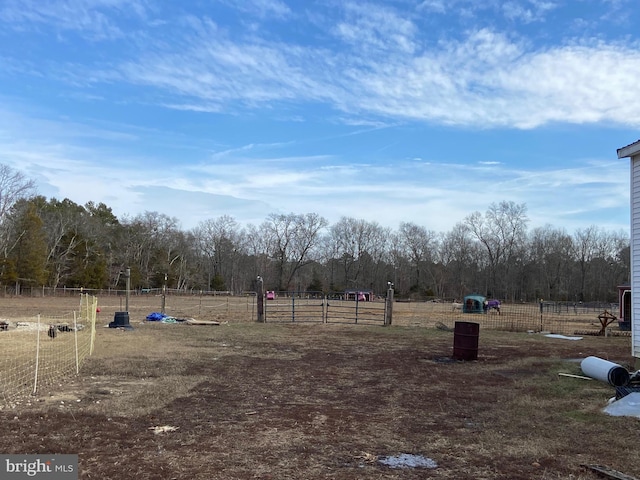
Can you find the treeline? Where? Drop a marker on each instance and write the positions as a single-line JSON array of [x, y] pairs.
[[48, 242]]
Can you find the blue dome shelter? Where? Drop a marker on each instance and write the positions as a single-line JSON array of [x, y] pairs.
[[473, 304]]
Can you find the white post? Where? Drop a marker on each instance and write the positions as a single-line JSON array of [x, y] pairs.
[[75, 334], [164, 296], [92, 321], [35, 376]]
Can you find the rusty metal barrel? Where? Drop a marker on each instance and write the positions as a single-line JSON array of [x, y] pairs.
[[465, 340]]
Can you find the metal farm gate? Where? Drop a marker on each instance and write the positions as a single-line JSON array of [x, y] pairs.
[[364, 312], [294, 307], [316, 307]]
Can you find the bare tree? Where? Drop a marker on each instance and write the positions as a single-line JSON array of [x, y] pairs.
[[358, 245], [460, 255], [551, 256], [501, 232], [291, 240], [584, 250], [420, 246], [597, 253], [219, 240], [150, 249], [374, 255], [14, 186]]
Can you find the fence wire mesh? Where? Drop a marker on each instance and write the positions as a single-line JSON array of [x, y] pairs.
[[554, 317], [44, 350]]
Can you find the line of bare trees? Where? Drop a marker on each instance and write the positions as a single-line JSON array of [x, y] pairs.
[[60, 243]]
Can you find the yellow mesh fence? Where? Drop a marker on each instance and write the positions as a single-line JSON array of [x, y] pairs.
[[44, 350]]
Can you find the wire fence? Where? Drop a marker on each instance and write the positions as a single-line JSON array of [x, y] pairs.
[[555, 317], [22, 291], [44, 349], [204, 306], [566, 318]]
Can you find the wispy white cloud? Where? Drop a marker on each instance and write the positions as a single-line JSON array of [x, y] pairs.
[[92, 18], [217, 71], [483, 79], [34, 124], [528, 12], [438, 6], [371, 26], [384, 70], [489, 80], [525, 11], [261, 8]]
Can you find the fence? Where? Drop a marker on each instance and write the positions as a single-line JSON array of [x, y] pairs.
[[203, 306], [316, 307], [42, 350], [562, 318], [324, 308], [10, 291], [294, 307], [340, 310]]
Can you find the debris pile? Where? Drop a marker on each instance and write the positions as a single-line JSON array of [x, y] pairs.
[[627, 399], [162, 318]]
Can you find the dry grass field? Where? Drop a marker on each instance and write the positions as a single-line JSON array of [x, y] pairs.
[[321, 401]]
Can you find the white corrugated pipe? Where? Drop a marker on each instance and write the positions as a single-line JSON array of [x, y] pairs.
[[605, 371]]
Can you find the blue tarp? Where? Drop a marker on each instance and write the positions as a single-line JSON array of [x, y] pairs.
[[155, 317]]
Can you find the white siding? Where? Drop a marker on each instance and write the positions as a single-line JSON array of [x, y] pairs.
[[635, 255]]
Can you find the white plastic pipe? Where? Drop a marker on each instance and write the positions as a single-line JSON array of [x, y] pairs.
[[605, 371]]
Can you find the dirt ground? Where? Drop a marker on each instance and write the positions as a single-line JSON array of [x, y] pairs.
[[313, 401]]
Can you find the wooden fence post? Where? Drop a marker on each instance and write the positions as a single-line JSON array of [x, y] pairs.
[[260, 299], [389, 305]]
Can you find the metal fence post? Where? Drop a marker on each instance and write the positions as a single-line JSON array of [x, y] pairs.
[[128, 279], [541, 312]]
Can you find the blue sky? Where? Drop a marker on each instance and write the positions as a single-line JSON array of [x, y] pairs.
[[388, 111]]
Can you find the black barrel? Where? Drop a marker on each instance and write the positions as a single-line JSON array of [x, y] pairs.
[[120, 319], [465, 340]]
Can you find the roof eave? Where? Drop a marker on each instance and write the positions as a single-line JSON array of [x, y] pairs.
[[630, 150]]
